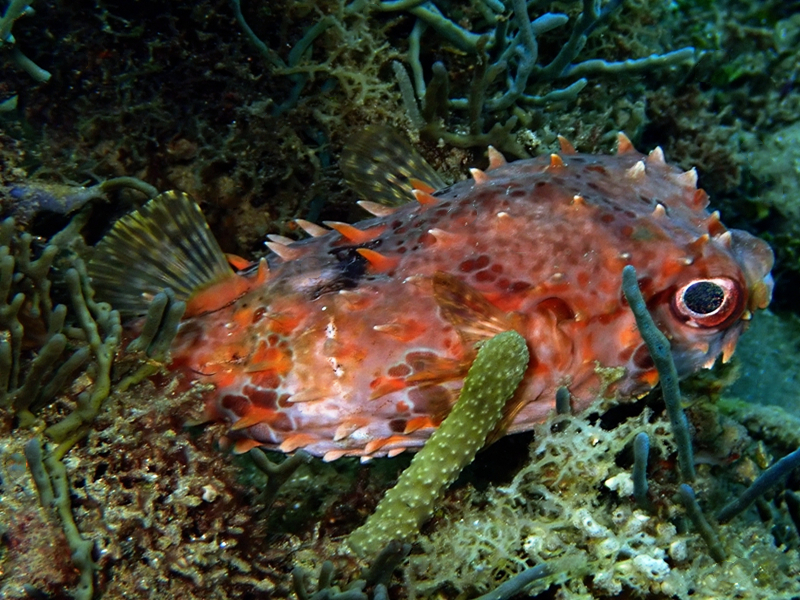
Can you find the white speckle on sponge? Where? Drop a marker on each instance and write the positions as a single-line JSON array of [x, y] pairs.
[[585, 521], [622, 483], [654, 568]]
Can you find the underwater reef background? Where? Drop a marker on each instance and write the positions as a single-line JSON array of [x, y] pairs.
[[248, 106]]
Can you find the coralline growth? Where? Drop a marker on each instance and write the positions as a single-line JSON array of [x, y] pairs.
[[25, 285], [641, 452], [502, 49], [376, 577], [573, 503], [507, 72], [768, 480], [50, 477], [29, 384], [78, 339]]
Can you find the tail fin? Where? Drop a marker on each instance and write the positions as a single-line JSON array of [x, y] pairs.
[[164, 244]]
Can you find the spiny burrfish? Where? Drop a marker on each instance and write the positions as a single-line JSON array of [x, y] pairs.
[[356, 341]]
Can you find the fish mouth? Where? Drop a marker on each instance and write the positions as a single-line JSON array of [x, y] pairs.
[[756, 260], [691, 355]]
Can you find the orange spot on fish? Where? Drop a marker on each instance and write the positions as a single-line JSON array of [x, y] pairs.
[[269, 359], [420, 185], [237, 262], [254, 415], [217, 295], [355, 235], [284, 323], [624, 145], [378, 261], [424, 198], [496, 159], [297, 440], [225, 378], [243, 445], [418, 423], [403, 330], [383, 385], [650, 377], [566, 146], [376, 445]]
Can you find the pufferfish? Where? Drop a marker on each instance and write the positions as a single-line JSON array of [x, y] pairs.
[[356, 340]]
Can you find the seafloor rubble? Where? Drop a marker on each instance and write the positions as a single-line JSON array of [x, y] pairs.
[[170, 515]]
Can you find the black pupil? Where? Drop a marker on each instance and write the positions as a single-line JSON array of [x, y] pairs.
[[703, 297]]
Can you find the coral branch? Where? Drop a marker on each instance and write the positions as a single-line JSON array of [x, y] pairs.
[[80, 548], [765, 482], [517, 583], [15, 10], [507, 75], [277, 474], [50, 476], [715, 549], [641, 450], [93, 318], [563, 401], [659, 349]]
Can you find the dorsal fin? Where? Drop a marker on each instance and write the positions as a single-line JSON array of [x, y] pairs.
[[383, 167], [164, 244]]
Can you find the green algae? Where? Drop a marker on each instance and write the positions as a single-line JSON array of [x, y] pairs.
[[491, 381]]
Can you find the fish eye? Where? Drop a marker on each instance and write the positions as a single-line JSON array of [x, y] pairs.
[[707, 302]]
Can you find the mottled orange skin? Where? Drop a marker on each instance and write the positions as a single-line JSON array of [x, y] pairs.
[[345, 355]]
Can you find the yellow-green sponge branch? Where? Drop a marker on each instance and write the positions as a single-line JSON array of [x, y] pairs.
[[492, 379]]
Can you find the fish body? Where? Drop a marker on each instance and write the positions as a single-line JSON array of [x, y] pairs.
[[357, 341]]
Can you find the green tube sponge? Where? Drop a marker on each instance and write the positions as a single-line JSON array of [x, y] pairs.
[[492, 379]]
